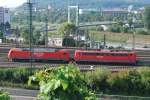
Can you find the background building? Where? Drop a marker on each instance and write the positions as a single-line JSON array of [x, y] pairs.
[[4, 15], [123, 13], [55, 40]]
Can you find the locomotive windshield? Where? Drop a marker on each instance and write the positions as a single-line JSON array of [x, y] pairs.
[[39, 50]]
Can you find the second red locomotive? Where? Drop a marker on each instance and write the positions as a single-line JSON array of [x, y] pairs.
[[105, 56]]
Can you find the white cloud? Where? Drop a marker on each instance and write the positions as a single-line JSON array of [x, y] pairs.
[[11, 3]]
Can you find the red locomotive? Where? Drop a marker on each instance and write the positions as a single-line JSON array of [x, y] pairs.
[[105, 56], [38, 54], [47, 54]]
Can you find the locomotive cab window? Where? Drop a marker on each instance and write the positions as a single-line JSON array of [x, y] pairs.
[[89, 54], [106, 54], [130, 54], [125, 54], [25, 49], [119, 54], [44, 50]]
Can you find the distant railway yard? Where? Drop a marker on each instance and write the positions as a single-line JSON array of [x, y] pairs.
[[143, 60]]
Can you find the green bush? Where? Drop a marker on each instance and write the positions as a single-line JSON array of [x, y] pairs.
[[68, 42], [4, 96], [97, 79], [99, 28], [115, 28], [145, 80], [1, 35], [21, 75], [18, 85], [128, 82], [64, 83], [142, 32], [16, 75], [125, 29]]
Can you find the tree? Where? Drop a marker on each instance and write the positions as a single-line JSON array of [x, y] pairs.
[[130, 22], [1, 35], [146, 18], [99, 28], [64, 83], [69, 42], [115, 28], [7, 25], [2, 27], [4, 96], [67, 29], [36, 36], [25, 35]]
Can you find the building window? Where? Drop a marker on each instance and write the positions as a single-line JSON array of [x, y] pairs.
[[6, 11]]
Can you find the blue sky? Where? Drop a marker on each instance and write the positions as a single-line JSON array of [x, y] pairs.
[[11, 3]]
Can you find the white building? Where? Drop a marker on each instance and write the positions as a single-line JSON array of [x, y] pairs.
[[4, 15], [55, 42]]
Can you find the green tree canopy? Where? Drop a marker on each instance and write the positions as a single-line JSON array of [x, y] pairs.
[[130, 22], [25, 35], [67, 29], [1, 35], [64, 83], [36, 36], [69, 42]]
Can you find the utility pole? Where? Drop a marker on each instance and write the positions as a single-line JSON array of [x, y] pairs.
[[30, 6], [133, 42], [104, 40], [3, 30], [46, 31], [69, 14], [77, 15], [17, 36], [133, 48], [46, 26]]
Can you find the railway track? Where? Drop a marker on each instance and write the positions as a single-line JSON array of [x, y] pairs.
[[113, 68], [27, 65], [143, 57]]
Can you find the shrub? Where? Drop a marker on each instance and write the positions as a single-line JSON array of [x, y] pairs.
[[4, 96], [99, 28], [97, 79], [129, 82], [145, 80], [17, 75], [125, 29], [68, 42], [6, 74], [64, 83], [142, 32], [115, 28], [21, 75]]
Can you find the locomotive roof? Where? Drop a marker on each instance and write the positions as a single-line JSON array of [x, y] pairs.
[[39, 49], [94, 51]]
